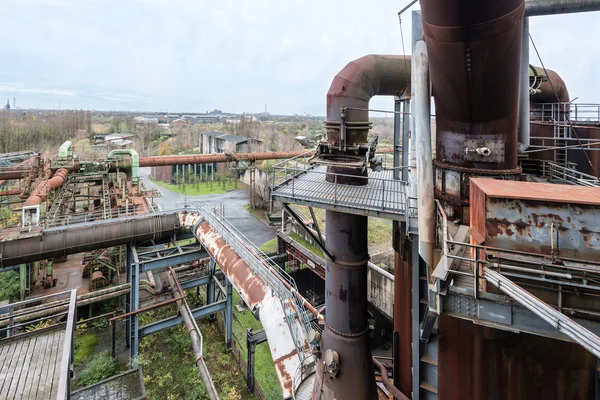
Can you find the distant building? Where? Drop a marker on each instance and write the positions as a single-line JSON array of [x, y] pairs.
[[148, 121], [7, 106], [209, 143], [220, 142], [179, 123]]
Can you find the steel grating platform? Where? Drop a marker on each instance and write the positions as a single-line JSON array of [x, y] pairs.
[[382, 196]]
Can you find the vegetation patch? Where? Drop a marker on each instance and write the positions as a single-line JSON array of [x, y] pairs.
[[84, 344], [199, 188], [100, 366], [308, 245], [9, 286], [270, 246]]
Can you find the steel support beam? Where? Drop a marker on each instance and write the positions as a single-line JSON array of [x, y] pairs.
[[177, 259], [252, 340], [176, 320], [192, 283], [135, 299], [228, 313], [210, 289], [561, 322]]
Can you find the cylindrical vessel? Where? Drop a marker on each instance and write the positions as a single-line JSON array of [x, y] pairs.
[[346, 328], [474, 50]]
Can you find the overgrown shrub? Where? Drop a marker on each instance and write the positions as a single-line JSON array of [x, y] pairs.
[[100, 366]]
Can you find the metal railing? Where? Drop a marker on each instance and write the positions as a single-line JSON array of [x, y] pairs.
[[576, 113], [288, 169], [309, 183], [64, 382], [269, 272], [568, 175]]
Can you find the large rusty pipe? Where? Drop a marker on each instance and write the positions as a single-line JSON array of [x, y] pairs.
[[217, 158], [474, 52], [11, 192], [355, 85], [40, 191], [62, 241]]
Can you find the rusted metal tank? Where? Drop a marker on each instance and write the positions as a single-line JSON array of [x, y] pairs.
[[484, 363], [474, 50]]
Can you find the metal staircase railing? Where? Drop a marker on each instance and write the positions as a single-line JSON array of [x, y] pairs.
[[270, 273]]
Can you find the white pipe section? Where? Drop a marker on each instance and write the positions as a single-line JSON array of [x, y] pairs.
[[422, 116], [552, 7], [524, 134], [381, 271]]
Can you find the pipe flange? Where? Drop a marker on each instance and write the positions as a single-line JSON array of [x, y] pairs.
[[350, 335], [478, 171]]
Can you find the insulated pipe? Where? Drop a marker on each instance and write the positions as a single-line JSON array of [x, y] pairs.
[[524, 133], [62, 241], [355, 85], [217, 158], [551, 7], [422, 116]]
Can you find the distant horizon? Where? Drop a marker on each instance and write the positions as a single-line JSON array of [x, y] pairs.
[[174, 54]]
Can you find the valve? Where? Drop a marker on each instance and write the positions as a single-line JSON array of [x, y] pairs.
[[314, 339], [332, 362], [481, 151]]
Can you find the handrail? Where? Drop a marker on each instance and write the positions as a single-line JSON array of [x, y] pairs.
[[265, 269], [64, 383], [568, 175]]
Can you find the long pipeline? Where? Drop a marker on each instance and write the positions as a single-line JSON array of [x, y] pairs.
[[65, 240], [217, 158]]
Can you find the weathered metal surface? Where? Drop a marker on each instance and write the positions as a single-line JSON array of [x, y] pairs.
[[257, 295], [522, 216], [217, 158], [485, 363], [40, 191], [474, 53], [346, 329], [551, 7], [402, 321], [355, 85], [62, 241]]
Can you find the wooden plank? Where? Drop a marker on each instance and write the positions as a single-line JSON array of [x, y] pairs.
[[3, 355], [22, 366], [40, 389], [55, 367], [8, 350], [56, 346], [30, 389], [28, 367], [10, 373]]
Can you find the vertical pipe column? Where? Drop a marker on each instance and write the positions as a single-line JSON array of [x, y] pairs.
[[524, 92], [210, 288], [422, 117], [135, 302], [128, 298], [346, 329], [228, 314]]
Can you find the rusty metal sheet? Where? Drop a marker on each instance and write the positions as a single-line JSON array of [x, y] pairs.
[[547, 192]]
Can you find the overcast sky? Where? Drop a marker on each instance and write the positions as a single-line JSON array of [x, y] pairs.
[[196, 55]]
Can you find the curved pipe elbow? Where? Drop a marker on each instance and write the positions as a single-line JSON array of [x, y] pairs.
[[364, 78]]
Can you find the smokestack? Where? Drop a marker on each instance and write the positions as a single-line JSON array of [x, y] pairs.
[[345, 369], [474, 49]]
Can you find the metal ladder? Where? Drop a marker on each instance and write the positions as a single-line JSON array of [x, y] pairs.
[[562, 134]]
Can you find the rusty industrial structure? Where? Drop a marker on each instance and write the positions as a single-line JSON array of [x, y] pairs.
[[495, 214]]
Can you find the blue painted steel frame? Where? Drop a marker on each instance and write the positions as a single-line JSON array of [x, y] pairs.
[[175, 320]]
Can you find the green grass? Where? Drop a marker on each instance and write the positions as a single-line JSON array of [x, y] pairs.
[[85, 344], [202, 188], [269, 246], [264, 369], [380, 232], [309, 246]]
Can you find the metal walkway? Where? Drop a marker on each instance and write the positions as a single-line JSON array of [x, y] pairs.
[[382, 196]]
